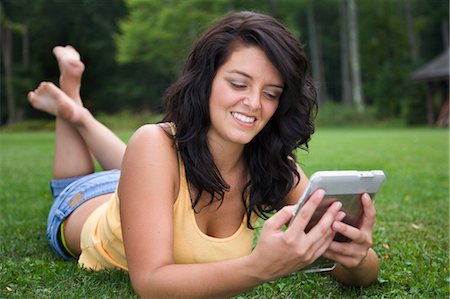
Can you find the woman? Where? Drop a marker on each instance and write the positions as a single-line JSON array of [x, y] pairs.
[[180, 219]]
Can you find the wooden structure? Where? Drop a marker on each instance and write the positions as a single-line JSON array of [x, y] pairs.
[[435, 74]]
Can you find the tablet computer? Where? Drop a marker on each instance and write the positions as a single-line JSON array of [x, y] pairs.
[[346, 186]]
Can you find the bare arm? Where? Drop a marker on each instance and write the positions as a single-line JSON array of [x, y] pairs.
[[147, 190]]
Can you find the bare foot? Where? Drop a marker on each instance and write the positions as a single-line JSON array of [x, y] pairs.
[[71, 69], [49, 98]]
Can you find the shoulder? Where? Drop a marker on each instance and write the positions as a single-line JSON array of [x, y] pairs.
[[152, 135], [152, 141], [151, 153]]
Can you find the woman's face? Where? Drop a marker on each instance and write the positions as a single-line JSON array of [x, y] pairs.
[[244, 96]]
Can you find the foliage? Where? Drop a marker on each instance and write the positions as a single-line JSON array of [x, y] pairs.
[[134, 49], [161, 31], [387, 63], [85, 24], [333, 114], [411, 234]]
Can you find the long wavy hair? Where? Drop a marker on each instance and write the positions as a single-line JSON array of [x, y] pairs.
[[269, 157]]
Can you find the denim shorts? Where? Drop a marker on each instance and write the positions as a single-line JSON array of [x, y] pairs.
[[69, 194]]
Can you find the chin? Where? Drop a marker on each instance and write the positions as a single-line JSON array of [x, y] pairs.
[[242, 139]]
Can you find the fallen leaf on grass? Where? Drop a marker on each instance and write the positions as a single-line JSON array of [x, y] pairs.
[[386, 245], [415, 226], [385, 256]]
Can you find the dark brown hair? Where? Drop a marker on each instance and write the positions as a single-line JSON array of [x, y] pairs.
[[270, 155]]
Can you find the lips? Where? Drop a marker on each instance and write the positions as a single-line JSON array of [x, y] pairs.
[[243, 118]]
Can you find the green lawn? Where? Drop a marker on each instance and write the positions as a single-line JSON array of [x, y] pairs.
[[411, 235]]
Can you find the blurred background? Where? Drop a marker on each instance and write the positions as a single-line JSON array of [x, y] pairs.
[[373, 61]]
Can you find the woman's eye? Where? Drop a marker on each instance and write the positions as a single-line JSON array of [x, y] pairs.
[[271, 95], [238, 85]]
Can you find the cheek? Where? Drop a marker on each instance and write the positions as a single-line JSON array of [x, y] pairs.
[[270, 108], [222, 97]]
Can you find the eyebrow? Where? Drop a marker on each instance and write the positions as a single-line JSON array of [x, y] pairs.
[[250, 77]]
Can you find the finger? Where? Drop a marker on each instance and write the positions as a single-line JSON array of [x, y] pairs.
[[323, 227], [340, 248], [320, 248], [322, 244], [321, 236], [348, 231], [338, 258], [306, 211], [340, 216], [369, 213], [345, 254], [280, 218]]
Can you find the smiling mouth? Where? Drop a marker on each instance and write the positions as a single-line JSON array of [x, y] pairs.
[[243, 118]]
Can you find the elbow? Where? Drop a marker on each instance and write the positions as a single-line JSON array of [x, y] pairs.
[[140, 287], [147, 286], [143, 287]]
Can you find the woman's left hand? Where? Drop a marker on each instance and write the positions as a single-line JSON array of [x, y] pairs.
[[352, 255]]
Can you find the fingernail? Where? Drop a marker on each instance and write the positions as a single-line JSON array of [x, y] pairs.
[[337, 205], [320, 192], [336, 225]]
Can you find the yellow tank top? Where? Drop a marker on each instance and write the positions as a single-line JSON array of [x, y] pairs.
[[191, 245], [102, 243]]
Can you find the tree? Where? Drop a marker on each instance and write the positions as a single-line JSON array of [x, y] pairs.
[[354, 56], [316, 54], [346, 83], [8, 29], [37, 26], [412, 39], [156, 36]]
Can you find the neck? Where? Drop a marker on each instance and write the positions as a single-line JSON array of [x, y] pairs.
[[227, 157]]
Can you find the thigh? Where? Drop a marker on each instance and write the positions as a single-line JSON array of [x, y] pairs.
[[81, 195], [75, 221]]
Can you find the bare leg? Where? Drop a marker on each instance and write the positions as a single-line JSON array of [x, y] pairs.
[[77, 135], [72, 156], [104, 144], [71, 69], [90, 136], [49, 98]]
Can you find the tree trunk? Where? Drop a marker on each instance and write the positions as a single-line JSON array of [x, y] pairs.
[[273, 5], [430, 103], [346, 97], [445, 34], [7, 62], [316, 55], [26, 47], [354, 58], [413, 48]]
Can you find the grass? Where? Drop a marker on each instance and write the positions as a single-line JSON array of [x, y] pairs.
[[411, 235]]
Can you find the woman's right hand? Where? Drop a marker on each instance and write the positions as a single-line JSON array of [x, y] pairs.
[[279, 253]]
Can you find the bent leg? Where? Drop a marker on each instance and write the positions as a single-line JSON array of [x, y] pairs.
[[102, 142], [93, 136], [72, 156]]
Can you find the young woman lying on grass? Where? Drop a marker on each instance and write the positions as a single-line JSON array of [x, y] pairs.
[[176, 206]]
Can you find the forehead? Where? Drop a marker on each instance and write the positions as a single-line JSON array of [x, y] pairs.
[[252, 61]]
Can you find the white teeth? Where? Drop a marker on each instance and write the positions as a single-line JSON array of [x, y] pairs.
[[243, 118]]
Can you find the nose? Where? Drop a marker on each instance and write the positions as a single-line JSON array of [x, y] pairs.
[[253, 101]]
